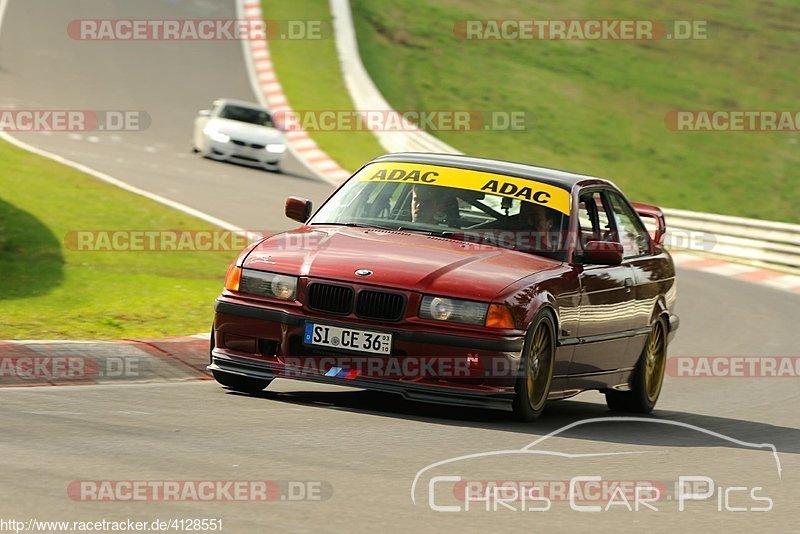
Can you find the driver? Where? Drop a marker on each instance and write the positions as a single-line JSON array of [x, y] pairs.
[[538, 220], [434, 205]]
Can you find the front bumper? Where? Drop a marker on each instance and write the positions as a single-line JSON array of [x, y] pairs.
[[246, 154], [452, 368]]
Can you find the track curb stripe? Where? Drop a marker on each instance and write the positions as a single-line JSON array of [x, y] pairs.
[[103, 362], [272, 96], [738, 271]]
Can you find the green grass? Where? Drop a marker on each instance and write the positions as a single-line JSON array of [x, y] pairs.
[[599, 107], [48, 291], [311, 76]]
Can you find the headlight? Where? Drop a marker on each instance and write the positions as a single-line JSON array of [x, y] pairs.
[[454, 310], [278, 286], [276, 147], [217, 136]]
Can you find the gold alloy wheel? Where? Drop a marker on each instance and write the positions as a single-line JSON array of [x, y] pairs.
[[540, 362], [655, 360]]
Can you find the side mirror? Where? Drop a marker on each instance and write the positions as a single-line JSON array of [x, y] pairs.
[[603, 253], [204, 113], [298, 209]]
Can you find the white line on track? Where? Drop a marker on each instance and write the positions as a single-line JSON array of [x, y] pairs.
[[122, 185], [183, 208]]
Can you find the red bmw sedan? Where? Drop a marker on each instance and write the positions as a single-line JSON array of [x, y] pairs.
[[455, 279]]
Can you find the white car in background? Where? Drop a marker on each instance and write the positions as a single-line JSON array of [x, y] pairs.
[[239, 132]]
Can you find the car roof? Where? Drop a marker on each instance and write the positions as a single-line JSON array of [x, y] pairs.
[[560, 178], [240, 103]]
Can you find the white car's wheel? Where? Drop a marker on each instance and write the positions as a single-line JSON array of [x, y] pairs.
[[205, 150]]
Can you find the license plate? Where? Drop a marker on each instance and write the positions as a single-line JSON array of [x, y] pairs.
[[347, 338]]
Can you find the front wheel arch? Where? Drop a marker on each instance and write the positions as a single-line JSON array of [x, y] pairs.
[[548, 308]]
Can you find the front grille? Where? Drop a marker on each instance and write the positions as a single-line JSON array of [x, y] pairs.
[[257, 146], [330, 298], [380, 305]]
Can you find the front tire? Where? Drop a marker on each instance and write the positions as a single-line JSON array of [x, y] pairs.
[[243, 384], [536, 369], [648, 377]]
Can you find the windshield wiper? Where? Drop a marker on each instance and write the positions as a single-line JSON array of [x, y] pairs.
[[362, 225], [397, 228], [434, 233]]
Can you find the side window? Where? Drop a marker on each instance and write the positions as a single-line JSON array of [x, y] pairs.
[[595, 225], [632, 234]]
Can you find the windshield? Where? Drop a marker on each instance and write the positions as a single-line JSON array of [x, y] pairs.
[[462, 204], [249, 115]]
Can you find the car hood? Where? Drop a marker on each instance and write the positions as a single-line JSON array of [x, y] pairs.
[[400, 260], [243, 131]]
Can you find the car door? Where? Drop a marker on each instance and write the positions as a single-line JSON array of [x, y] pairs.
[[648, 272], [606, 300]]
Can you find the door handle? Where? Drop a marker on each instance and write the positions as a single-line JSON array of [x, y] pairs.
[[628, 284]]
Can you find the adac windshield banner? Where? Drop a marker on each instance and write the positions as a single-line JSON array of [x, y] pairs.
[[483, 182]]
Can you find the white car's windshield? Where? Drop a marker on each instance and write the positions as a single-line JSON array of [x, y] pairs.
[[473, 206], [243, 114]]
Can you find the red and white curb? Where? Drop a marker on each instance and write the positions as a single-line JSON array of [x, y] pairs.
[[62, 362], [746, 273], [271, 94]]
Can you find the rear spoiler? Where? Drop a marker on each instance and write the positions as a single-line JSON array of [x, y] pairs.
[[653, 212]]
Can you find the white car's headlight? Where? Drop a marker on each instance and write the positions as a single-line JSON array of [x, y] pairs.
[[455, 310], [273, 285], [277, 148], [216, 135]]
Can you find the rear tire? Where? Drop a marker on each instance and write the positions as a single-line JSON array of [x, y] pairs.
[[648, 377], [243, 384], [536, 369]]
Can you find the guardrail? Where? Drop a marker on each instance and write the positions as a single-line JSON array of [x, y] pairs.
[[751, 240], [754, 241]]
